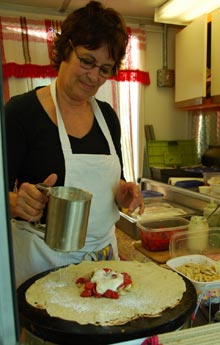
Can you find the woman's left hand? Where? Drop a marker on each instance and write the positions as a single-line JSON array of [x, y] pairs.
[[129, 196]]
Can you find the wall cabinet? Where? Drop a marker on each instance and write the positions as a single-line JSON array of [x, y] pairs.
[[215, 57], [197, 61]]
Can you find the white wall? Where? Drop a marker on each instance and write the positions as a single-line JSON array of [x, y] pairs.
[[169, 123]]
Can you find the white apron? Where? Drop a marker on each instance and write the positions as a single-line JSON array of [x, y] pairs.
[[100, 175]]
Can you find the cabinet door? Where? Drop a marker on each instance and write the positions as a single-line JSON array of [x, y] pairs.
[[215, 57], [190, 60]]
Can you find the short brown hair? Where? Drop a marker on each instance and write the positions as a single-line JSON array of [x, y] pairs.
[[91, 26]]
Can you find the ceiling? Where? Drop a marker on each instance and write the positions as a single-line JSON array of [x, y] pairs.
[[128, 8]]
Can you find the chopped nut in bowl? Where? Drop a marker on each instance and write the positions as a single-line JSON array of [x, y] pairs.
[[199, 269]]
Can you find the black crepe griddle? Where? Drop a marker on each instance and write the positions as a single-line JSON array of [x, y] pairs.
[[64, 332]]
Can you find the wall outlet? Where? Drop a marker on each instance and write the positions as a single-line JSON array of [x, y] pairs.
[[165, 77]]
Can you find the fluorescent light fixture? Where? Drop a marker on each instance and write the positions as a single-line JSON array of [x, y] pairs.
[[182, 12]]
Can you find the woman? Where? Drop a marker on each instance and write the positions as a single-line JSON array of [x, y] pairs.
[[61, 135]]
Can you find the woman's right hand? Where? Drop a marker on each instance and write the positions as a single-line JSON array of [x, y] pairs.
[[28, 203]]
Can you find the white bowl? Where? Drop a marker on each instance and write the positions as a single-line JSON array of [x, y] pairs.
[[197, 259]]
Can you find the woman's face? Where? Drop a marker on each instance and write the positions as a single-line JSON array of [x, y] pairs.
[[78, 82]]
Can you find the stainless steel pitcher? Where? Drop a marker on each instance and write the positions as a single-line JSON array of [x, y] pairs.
[[67, 217]]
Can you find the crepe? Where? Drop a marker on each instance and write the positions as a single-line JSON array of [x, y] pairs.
[[155, 211], [154, 289]]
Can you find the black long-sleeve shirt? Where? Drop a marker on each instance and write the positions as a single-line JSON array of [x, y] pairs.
[[33, 144]]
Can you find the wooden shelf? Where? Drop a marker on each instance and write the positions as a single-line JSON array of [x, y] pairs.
[[199, 104]]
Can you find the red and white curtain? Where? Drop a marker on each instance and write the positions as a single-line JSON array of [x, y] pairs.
[[131, 105], [25, 45]]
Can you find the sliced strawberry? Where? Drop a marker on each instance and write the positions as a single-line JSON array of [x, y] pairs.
[[81, 280], [89, 285], [111, 294], [96, 294], [115, 295], [108, 294], [86, 293], [127, 279]]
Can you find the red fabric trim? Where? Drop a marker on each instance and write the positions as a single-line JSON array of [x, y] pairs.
[[133, 75], [12, 69]]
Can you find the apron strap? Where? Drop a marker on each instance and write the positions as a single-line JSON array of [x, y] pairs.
[[98, 115]]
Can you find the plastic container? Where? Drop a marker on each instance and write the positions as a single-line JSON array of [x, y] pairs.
[[155, 235], [198, 224], [163, 153], [214, 219], [179, 244], [196, 259]]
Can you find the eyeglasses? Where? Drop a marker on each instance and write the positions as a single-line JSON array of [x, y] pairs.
[[88, 63]]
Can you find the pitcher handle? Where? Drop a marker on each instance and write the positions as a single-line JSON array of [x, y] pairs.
[[44, 188]]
